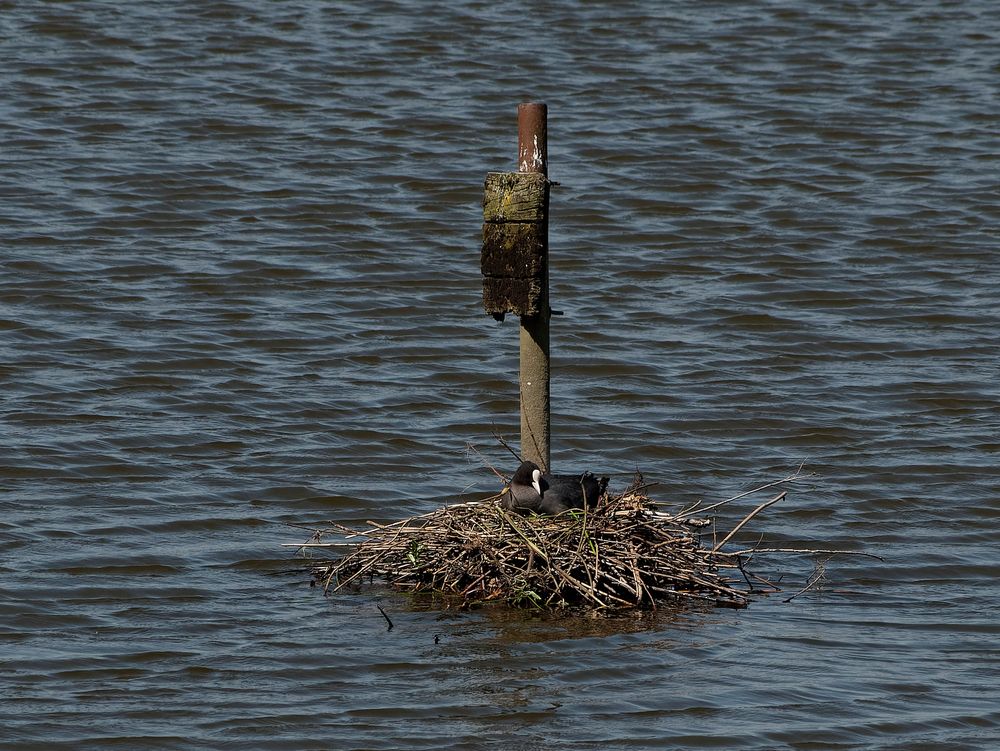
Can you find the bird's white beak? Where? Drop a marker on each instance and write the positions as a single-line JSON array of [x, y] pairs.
[[536, 481]]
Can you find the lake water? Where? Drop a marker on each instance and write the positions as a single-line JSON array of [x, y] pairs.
[[239, 289]]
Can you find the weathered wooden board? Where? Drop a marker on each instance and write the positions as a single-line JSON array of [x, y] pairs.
[[513, 250], [515, 197], [523, 297], [514, 257]]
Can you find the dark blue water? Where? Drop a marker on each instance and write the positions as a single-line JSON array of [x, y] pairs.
[[239, 289]]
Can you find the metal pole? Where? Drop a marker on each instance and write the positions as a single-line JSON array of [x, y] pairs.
[[532, 156]]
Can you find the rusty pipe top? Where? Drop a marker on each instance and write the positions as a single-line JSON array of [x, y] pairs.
[[532, 138]]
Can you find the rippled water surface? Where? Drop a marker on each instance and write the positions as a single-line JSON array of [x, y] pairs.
[[239, 288]]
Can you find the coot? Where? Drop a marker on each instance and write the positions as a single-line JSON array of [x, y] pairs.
[[531, 490]]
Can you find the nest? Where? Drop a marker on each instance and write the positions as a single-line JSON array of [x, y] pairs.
[[625, 553]]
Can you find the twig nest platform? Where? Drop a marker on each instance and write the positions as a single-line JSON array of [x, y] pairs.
[[622, 554]]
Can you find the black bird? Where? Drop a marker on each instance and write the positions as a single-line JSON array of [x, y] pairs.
[[530, 490]]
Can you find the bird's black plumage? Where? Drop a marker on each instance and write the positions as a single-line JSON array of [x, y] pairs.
[[533, 490]]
